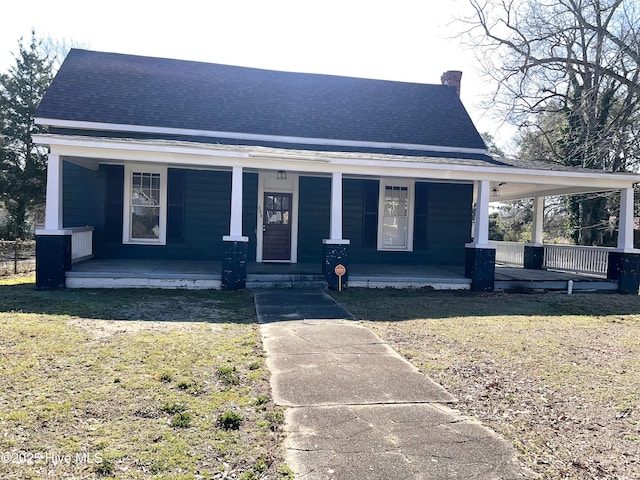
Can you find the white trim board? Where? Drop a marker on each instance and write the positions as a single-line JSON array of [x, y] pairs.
[[186, 156], [268, 182], [117, 127]]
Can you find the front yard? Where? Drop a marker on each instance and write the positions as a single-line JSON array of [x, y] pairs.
[[557, 375], [172, 384], [134, 384]]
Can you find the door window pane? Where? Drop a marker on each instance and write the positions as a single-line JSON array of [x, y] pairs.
[[277, 209]]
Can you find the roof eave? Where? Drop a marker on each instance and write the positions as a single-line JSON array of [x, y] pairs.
[[115, 127]]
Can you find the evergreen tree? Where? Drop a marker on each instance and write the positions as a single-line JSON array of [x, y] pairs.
[[22, 163]]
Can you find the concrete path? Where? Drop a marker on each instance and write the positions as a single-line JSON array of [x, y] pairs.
[[357, 410]]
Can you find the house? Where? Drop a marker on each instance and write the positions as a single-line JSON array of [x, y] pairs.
[[180, 160]]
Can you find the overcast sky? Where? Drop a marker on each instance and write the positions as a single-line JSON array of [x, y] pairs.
[[406, 40]]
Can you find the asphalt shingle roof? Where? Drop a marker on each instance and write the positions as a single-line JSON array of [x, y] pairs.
[[144, 91]]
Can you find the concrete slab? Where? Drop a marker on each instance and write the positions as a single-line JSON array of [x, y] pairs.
[[342, 363], [284, 305], [411, 441], [357, 410]]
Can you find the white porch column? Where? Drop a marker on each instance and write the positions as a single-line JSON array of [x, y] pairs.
[[53, 209], [336, 206], [625, 222], [235, 223], [481, 232], [538, 220]]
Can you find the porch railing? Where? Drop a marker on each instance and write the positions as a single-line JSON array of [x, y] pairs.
[[570, 258], [509, 253], [577, 258], [81, 243]]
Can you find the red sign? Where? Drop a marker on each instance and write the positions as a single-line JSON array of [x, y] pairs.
[[340, 270]]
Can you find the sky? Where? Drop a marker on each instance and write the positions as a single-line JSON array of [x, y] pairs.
[[403, 40]]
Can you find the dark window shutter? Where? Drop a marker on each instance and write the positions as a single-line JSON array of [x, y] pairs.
[[113, 204], [175, 206], [420, 239], [370, 214]]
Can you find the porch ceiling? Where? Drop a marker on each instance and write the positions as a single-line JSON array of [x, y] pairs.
[[507, 191]]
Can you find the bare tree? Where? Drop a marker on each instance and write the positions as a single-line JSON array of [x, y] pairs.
[[567, 73], [578, 56], [56, 49]]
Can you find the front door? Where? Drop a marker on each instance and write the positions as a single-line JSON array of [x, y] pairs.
[[276, 230]]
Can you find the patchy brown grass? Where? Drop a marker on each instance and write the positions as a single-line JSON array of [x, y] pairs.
[[128, 384], [557, 375]]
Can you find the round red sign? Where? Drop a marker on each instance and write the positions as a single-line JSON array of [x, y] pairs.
[[340, 270]]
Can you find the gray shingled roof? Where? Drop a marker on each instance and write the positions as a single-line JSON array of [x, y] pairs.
[[132, 90]]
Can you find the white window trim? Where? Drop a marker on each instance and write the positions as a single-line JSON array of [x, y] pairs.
[[396, 182], [126, 217]]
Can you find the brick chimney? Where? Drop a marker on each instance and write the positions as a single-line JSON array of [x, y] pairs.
[[452, 78]]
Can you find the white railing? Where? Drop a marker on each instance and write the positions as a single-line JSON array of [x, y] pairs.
[[81, 243], [577, 258], [509, 253]]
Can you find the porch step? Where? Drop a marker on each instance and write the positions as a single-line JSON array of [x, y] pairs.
[[262, 280], [436, 283]]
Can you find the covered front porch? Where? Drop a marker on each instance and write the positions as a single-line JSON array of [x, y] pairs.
[[204, 219], [136, 273]]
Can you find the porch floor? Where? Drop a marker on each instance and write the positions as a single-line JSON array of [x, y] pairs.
[[207, 274]]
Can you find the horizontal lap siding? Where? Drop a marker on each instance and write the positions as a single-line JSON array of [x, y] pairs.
[[84, 193], [314, 217], [207, 203], [207, 208], [443, 224], [450, 212], [250, 212]]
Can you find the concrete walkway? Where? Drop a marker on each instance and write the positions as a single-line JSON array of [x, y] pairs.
[[357, 410]]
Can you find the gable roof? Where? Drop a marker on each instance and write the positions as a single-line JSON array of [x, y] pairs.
[[165, 98]]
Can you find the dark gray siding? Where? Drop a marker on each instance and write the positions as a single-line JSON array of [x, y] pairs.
[[314, 217], [198, 212], [250, 212], [83, 197]]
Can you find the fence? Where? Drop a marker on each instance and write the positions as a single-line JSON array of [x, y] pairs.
[[570, 258], [509, 253], [17, 257], [81, 243], [577, 258]]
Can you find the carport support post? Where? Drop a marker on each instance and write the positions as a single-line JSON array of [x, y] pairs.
[[534, 251], [480, 256], [234, 263], [335, 249], [624, 262], [53, 244]]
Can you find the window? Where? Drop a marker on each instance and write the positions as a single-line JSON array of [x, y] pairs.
[[145, 205], [395, 217]]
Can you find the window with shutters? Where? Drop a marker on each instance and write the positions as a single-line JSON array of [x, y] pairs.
[[145, 205], [395, 215]]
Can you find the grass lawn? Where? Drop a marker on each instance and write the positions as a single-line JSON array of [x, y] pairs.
[[557, 375], [134, 384]]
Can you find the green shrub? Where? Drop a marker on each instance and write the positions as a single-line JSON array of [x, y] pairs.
[[230, 420], [181, 420]]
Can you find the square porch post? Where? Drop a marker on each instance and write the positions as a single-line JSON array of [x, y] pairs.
[[335, 248], [53, 244], [234, 263], [480, 258], [624, 262], [534, 251]]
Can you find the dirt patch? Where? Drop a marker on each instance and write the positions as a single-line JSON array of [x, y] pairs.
[[159, 315]]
